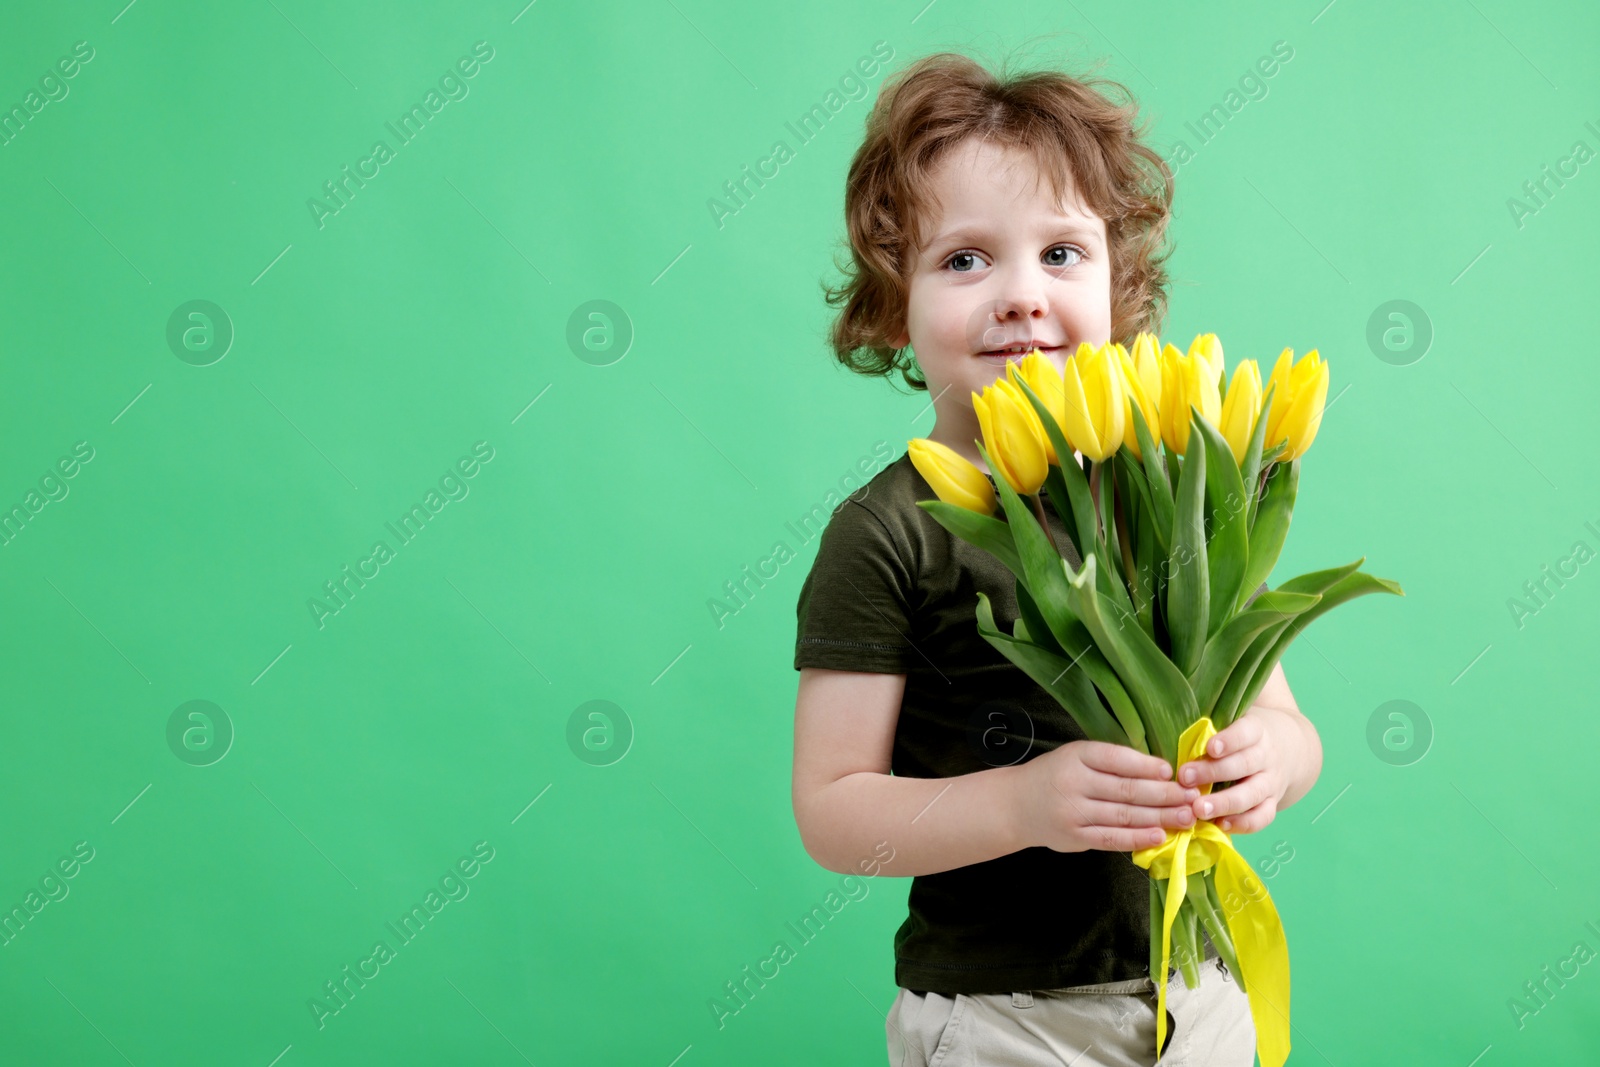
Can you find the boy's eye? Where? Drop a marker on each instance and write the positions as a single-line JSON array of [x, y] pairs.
[[961, 258], [966, 261], [1051, 258]]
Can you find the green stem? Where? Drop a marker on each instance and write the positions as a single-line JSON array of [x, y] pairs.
[[1094, 494], [1038, 507], [1125, 544], [1204, 890], [1198, 940], [1158, 903], [1185, 937]]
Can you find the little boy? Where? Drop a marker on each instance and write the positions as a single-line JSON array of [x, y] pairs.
[[988, 217]]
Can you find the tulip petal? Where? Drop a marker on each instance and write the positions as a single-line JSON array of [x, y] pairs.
[[1019, 439], [1076, 422], [1283, 395], [1242, 408], [952, 476], [1306, 417], [1070, 478], [1111, 402], [1134, 396]]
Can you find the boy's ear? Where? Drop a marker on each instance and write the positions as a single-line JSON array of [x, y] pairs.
[[900, 340]]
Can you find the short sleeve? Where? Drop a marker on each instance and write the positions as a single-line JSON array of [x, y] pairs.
[[854, 609]]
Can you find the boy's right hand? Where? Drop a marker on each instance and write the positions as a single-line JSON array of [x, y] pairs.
[[1094, 794]]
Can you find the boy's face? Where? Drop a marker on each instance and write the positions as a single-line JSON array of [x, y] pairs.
[[1002, 267]]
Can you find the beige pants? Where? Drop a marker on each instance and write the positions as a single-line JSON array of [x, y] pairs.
[[1110, 1025]]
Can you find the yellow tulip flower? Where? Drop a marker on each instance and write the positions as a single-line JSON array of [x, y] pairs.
[[1208, 346], [1045, 381], [1146, 360], [1014, 391], [1138, 391], [1186, 382], [1299, 391], [1012, 435], [1095, 401], [1242, 407], [955, 479]]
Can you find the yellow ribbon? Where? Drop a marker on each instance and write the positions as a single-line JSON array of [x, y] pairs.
[[1247, 909]]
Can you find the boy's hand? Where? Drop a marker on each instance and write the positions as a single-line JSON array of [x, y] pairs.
[[1093, 794], [1250, 754]]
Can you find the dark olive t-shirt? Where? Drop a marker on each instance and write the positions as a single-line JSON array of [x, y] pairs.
[[891, 591]]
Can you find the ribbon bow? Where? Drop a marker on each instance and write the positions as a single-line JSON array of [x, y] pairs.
[[1248, 911]]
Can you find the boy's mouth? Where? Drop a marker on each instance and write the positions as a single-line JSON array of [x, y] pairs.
[[999, 357]]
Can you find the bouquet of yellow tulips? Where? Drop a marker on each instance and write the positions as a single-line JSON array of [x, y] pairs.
[[1155, 642]]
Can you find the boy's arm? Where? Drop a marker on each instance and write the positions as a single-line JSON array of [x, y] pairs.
[[851, 811], [855, 816], [1297, 738]]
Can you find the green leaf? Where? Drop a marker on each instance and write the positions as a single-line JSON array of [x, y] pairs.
[[1114, 581], [1029, 615], [1347, 588], [1136, 480], [1079, 648], [1314, 583], [1156, 477], [1117, 696], [1159, 690], [1320, 581], [1146, 550], [1069, 685], [1233, 640], [1041, 564], [1055, 484], [1229, 548], [1227, 706], [1108, 503], [1141, 583], [1188, 579], [1250, 469], [1046, 576], [988, 533], [1082, 506], [1272, 523]]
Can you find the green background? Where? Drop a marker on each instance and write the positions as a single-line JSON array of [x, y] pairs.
[[372, 752]]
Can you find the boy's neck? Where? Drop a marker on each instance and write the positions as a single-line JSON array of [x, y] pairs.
[[961, 441]]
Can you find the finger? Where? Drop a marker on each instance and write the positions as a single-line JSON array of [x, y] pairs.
[[1146, 791], [1235, 800], [1124, 761], [1243, 732], [1104, 813], [1257, 818], [1245, 761], [1123, 838]]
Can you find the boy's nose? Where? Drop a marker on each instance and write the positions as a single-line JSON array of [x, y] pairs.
[[1005, 320], [1020, 322], [1024, 295]]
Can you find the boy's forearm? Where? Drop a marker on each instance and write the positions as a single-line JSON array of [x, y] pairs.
[[931, 824]]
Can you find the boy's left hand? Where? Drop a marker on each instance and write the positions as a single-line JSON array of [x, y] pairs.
[[1251, 753]]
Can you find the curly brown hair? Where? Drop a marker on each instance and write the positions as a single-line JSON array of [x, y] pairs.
[[1080, 136]]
